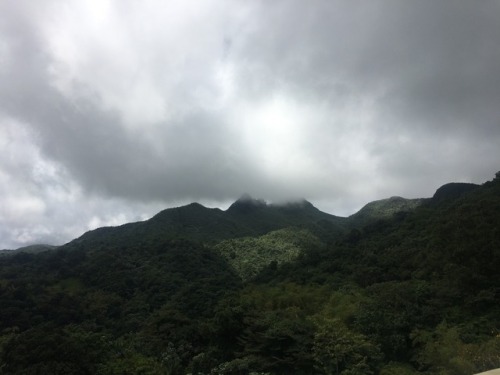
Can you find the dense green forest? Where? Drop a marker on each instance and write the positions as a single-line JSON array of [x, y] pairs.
[[401, 287]]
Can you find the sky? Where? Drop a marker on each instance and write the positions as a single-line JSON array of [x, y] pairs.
[[112, 110]]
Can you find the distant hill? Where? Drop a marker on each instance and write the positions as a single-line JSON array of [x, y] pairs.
[[31, 249], [383, 209]]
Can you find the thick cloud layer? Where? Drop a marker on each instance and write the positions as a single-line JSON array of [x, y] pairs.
[[113, 110]]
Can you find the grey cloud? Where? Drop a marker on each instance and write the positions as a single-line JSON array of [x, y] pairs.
[[435, 62], [387, 98], [93, 144], [430, 68]]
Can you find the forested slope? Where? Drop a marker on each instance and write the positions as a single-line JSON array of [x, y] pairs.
[[274, 289]]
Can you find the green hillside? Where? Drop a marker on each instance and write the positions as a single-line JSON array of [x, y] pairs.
[[401, 287], [249, 256], [383, 209]]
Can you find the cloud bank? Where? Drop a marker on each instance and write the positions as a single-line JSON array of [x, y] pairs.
[[113, 110]]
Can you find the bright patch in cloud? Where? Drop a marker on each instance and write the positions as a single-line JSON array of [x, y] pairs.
[[274, 133]]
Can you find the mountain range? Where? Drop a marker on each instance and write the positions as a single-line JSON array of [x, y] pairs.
[[247, 216], [404, 286]]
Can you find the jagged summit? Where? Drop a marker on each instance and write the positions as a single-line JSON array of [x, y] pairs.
[[246, 203], [248, 199]]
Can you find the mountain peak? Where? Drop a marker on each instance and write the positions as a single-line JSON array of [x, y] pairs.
[[248, 198], [246, 203], [295, 204], [384, 208]]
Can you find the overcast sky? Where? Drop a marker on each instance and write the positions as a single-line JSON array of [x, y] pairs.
[[113, 110]]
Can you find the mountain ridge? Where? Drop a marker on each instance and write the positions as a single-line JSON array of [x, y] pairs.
[[245, 217], [238, 217], [408, 294]]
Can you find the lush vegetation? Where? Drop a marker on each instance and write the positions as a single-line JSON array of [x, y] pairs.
[[266, 290], [248, 256]]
